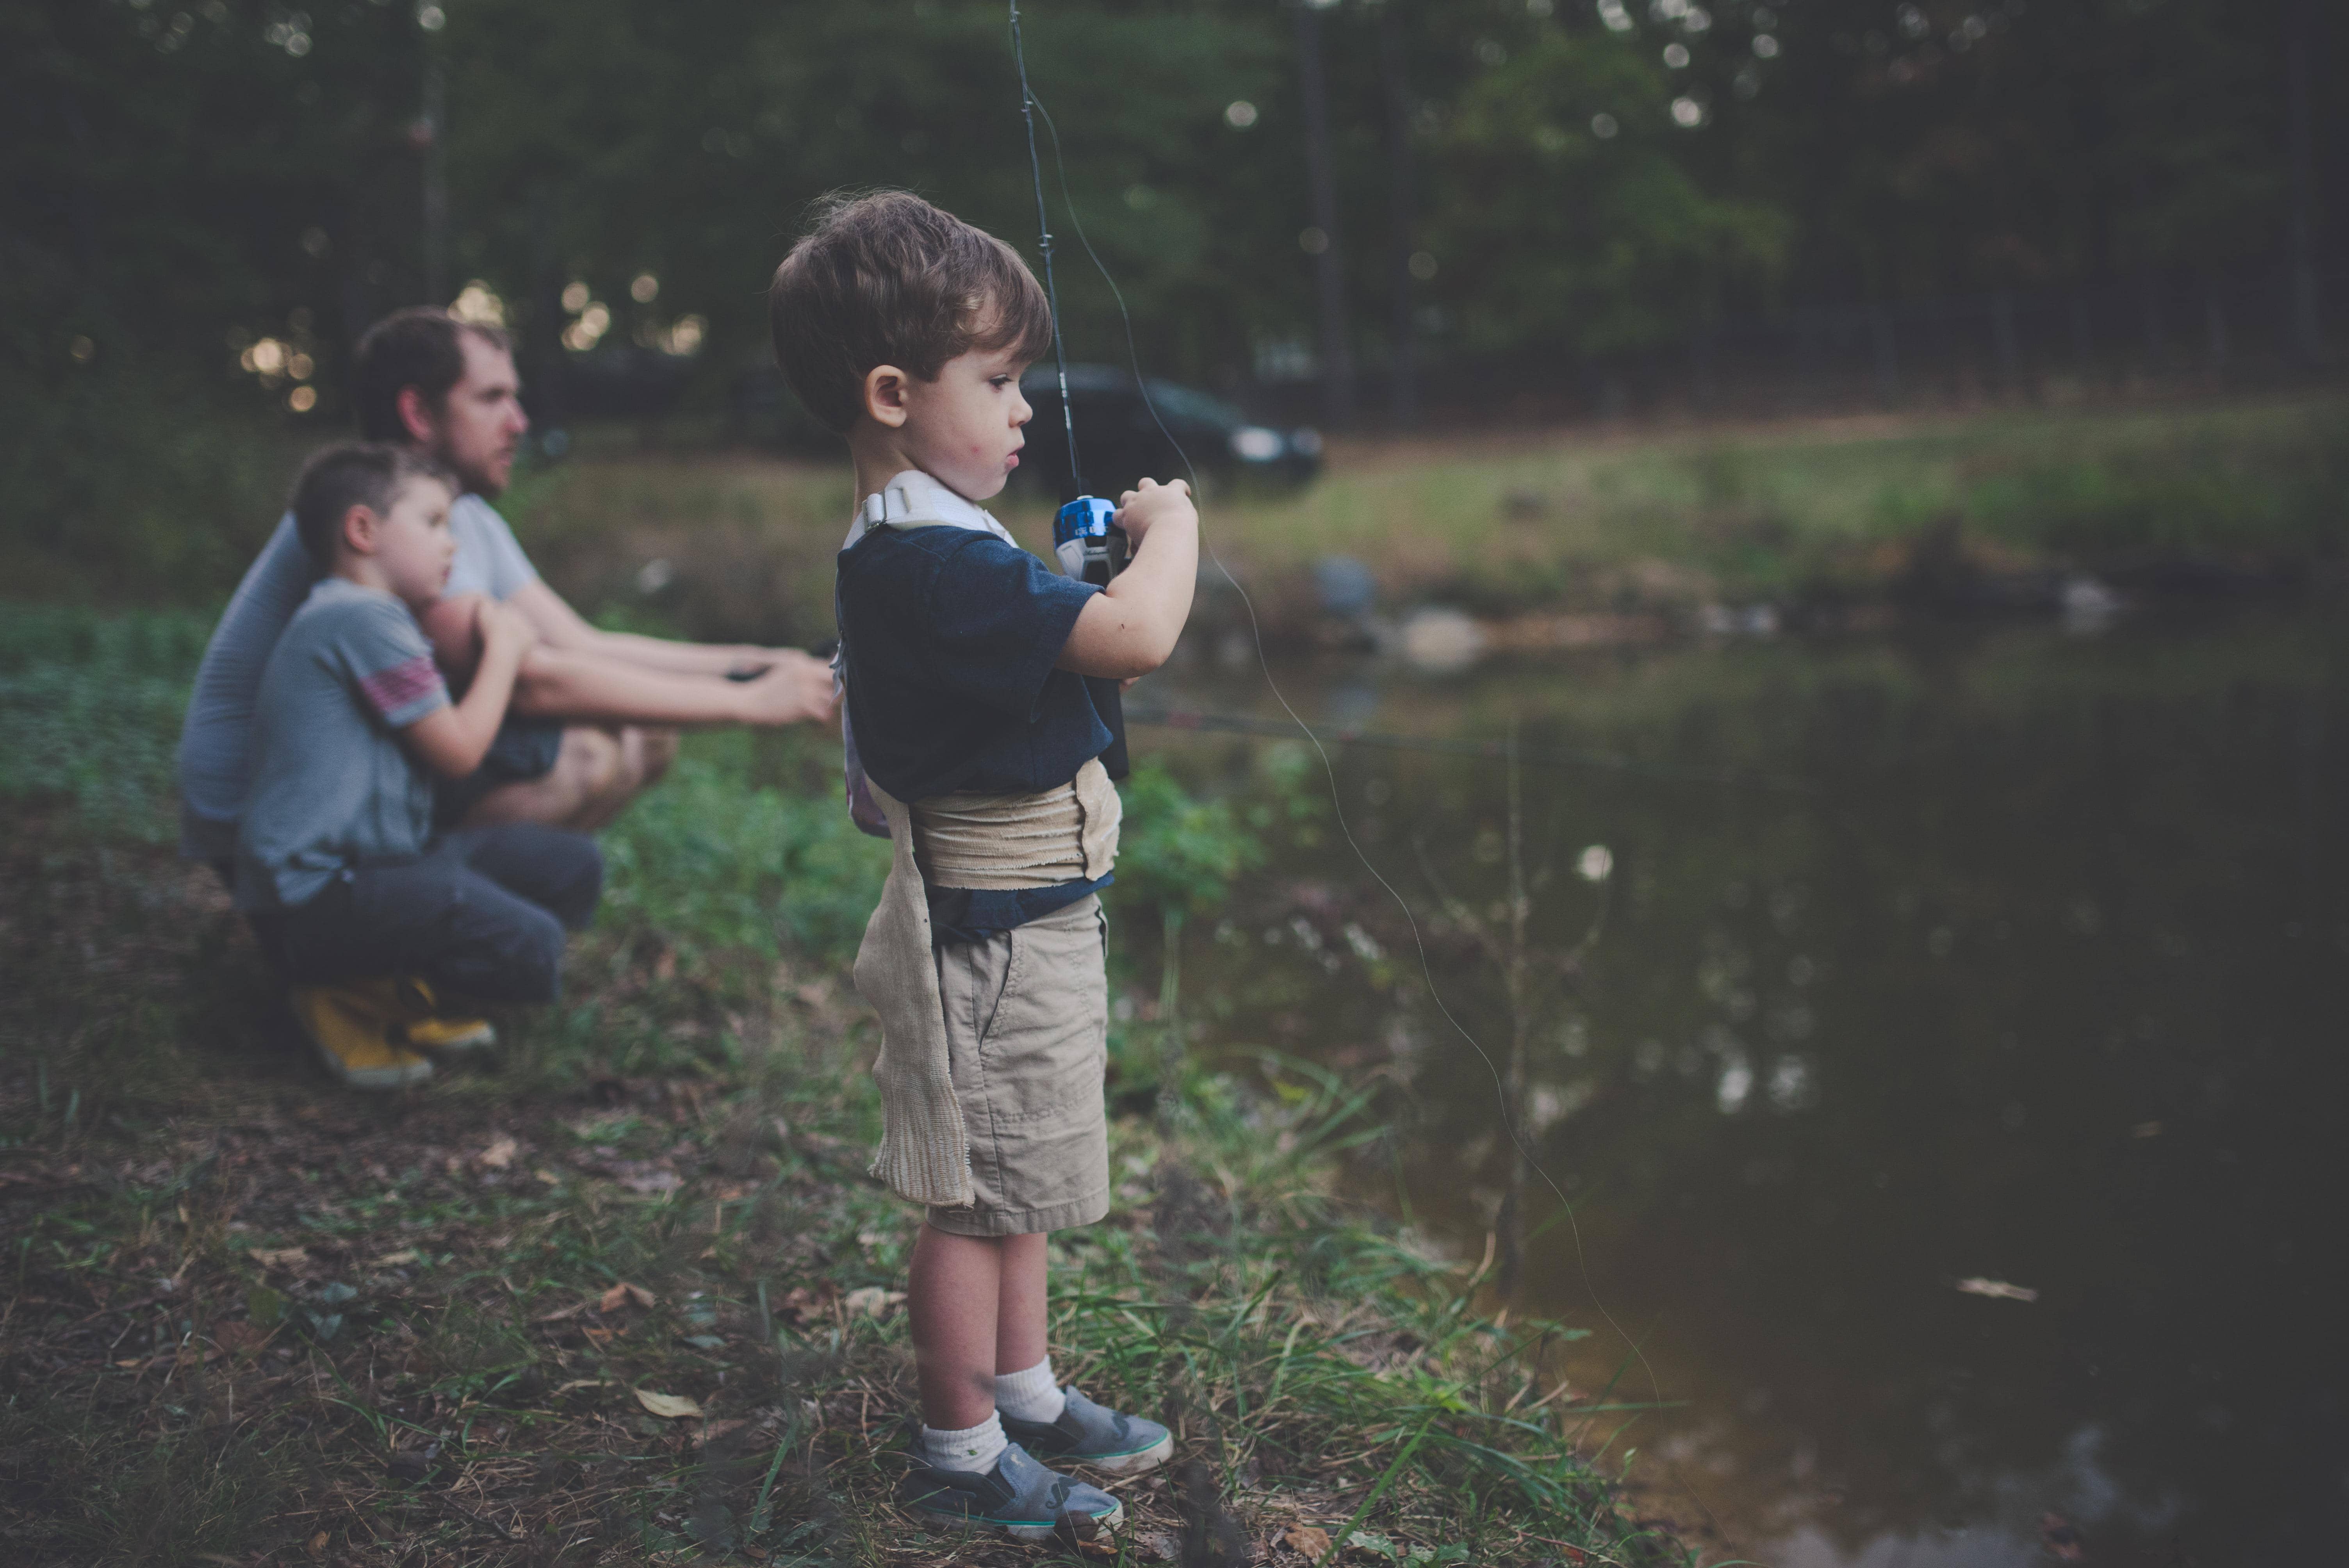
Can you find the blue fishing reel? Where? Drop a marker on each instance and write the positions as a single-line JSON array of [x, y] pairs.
[[1091, 548]]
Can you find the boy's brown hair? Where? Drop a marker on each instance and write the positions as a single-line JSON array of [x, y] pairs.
[[372, 474], [889, 279]]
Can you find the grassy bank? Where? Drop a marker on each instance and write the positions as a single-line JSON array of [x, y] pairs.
[[1581, 518], [1833, 512], [624, 1295]]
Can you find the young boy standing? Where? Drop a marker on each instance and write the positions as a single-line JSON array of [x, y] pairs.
[[906, 330], [337, 865]]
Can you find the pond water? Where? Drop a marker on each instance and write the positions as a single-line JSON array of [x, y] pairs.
[[2012, 957]]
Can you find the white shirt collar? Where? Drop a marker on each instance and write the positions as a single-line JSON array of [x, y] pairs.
[[915, 499]]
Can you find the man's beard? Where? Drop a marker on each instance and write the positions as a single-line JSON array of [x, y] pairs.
[[476, 479]]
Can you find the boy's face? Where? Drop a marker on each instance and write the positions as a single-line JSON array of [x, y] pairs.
[[964, 427], [412, 545]]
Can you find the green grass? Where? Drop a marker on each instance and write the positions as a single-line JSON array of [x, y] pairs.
[[253, 1318]]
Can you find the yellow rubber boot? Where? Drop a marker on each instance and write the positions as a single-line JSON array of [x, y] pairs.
[[351, 1028], [429, 1029]]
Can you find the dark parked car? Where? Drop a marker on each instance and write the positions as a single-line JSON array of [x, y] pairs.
[[1118, 443]]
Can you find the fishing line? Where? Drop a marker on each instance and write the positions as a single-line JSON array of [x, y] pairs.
[[1427, 969]]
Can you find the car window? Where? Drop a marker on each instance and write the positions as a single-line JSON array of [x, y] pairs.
[[1196, 407]]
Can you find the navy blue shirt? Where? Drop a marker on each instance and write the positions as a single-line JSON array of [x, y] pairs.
[[952, 637]]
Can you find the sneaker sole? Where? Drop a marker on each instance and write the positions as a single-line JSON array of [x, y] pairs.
[[374, 1077], [1017, 1529], [1135, 1463], [478, 1037]]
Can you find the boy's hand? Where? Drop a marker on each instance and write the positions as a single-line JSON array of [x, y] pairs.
[[1140, 511], [505, 629]]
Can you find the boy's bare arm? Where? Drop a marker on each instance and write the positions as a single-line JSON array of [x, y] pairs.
[[1130, 627], [453, 740]]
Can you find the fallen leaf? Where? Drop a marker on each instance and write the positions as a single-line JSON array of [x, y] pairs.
[[394, 1260], [1997, 1289], [620, 1295], [597, 1336], [549, 1176], [717, 1429], [803, 1301], [239, 1338], [653, 1183], [498, 1155], [318, 1544], [1306, 1537], [872, 1299], [279, 1258], [559, 1313], [583, 1383], [669, 1406], [733, 1191]]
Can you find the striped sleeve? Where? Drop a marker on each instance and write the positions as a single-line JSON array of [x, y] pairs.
[[406, 692], [385, 655]]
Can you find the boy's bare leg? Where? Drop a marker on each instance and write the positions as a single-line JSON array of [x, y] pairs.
[[1020, 1313], [953, 1296]]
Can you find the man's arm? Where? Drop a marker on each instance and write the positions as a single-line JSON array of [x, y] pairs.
[[559, 683], [592, 686], [561, 627]]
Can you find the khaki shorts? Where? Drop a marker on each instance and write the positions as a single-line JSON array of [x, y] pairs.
[[1027, 1040]]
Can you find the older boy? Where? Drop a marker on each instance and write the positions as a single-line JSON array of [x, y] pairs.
[[905, 329], [337, 864]]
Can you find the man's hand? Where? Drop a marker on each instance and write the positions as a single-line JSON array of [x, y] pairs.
[[1139, 510], [796, 687]]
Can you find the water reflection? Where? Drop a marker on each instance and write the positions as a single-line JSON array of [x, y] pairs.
[[2036, 980]]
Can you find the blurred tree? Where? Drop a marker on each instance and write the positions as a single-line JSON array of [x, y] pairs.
[[181, 181]]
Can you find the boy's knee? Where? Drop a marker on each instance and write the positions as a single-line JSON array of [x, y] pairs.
[[578, 884]]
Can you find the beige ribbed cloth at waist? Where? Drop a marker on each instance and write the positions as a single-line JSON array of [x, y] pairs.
[[1002, 841]]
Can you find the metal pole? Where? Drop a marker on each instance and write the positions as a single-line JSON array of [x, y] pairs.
[[1337, 355], [436, 178], [2306, 334], [1403, 392]]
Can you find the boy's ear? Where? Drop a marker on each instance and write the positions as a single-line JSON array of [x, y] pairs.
[[360, 527], [885, 395]]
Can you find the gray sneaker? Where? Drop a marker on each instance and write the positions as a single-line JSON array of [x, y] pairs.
[[1018, 1496], [1088, 1434]]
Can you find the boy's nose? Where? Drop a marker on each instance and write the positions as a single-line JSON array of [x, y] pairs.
[[1021, 413]]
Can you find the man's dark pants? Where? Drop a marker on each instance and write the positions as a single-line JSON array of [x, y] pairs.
[[479, 916]]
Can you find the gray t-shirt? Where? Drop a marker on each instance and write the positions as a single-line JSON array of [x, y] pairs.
[[332, 786], [216, 741]]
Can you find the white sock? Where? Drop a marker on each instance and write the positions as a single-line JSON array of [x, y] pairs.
[[1029, 1396], [974, 1449]]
